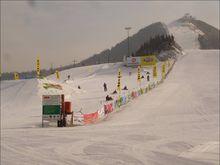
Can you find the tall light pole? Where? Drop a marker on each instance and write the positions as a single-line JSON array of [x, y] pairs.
[[109, 55], [128, 28], [74, 63]]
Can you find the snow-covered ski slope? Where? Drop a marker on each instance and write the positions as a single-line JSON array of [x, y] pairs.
[[175, 123], [23, 97], [186, 34]]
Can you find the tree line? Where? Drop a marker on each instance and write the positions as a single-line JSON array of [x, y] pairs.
[[155, 45]]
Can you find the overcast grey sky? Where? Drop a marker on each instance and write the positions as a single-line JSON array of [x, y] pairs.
[[60, 31]]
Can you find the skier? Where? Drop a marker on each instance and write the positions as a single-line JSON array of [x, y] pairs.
[[105, 87]]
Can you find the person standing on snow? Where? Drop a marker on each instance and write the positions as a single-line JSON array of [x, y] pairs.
[[148, 76], [105, 87]]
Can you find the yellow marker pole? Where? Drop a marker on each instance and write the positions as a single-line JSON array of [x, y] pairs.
[[16, 76], [139, 76], [38, 67], [163, 70], [57, 74], [119, 81], [155, 71]]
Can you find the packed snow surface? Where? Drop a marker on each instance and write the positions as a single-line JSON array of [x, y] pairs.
[[175, 123], [186, 35]]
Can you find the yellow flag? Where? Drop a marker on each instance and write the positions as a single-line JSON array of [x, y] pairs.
[[38, 67], [163, 70], [139, 74], [16, 76], [57, 74], [119, 80], [155, 71]]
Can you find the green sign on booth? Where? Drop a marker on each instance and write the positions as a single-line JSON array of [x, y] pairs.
[[51, 107]]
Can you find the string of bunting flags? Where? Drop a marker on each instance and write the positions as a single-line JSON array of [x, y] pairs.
[[122, 99]]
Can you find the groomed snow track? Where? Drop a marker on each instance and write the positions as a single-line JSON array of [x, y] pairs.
[[176, 123]]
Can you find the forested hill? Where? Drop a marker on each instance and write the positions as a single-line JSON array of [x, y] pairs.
[[118, 51]]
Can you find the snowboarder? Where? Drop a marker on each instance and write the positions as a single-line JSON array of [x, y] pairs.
[[105, 87], [108, 98], [125, 88], [79, 87]]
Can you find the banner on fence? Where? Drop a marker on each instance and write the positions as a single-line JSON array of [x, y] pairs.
[[123, 98], [90, 118], [108, 108], [148, 60], [78, 118], [101, 113]]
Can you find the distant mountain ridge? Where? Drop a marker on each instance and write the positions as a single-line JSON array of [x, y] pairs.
[[207, 37], [117, 52], [210, 39]]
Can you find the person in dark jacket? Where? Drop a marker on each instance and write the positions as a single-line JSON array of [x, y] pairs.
[[105, 87], [125, 88], [148, 77], [108, 98]]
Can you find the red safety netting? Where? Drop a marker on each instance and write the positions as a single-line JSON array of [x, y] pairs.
[[108, 108], [90, 118]]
